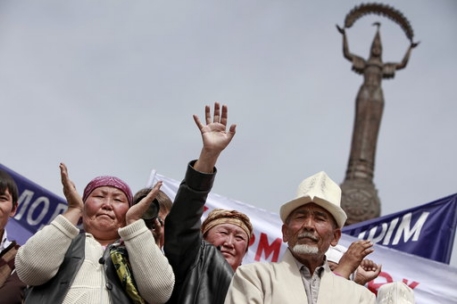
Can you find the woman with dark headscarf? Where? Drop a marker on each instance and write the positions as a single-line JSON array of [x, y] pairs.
[[115, 259]]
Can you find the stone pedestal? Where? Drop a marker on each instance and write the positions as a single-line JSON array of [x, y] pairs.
[[360, 200]]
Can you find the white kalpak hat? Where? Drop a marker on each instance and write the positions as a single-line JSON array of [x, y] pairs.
[[322, 191], [395, 293]]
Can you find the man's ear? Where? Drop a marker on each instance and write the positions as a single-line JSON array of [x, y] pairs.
[[13, 210], [285, 237], [336, 237]]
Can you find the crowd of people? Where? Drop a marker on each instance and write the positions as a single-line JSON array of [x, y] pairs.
[[113, 246]]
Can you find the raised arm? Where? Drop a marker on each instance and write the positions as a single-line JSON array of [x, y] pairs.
[[404, 62], [39, 259], [346, 52], [183, 238], [352, 258]]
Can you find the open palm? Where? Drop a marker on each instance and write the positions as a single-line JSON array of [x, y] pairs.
[[214, 134]]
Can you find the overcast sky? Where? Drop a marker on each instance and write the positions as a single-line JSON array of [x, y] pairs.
[[109, 88]]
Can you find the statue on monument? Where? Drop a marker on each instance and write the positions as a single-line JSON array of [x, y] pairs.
[[360, 199]]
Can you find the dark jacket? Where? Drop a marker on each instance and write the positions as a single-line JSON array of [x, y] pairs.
[[202, 275], [55, 289]]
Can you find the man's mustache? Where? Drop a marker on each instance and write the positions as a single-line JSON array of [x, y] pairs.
[[308, 235]]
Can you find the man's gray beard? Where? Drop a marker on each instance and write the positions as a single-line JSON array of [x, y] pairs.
[[305, 249]]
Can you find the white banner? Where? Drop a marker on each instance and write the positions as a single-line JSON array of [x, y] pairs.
[[432, 282]]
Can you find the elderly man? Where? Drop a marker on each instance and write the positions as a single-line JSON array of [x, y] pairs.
[[204, 256], [311, 223]]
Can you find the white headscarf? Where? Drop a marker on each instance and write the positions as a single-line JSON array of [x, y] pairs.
[[395, 293], [334, 253]]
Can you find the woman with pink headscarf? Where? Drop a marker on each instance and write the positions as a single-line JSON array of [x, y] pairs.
[[113, 260]]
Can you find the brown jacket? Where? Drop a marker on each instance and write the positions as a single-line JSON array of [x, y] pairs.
[[11, 288]]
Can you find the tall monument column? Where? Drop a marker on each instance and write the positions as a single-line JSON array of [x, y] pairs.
[[359, 195]]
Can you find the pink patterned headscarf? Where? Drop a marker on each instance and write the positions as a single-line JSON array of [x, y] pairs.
[[108, 181]]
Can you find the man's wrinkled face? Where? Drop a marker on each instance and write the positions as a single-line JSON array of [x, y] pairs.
[[232, 241], [7, 209], [105, 209], [310, 230]]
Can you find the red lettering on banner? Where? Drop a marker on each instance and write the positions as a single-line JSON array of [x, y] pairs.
[[374, 286], [263, 246], [412, 285]]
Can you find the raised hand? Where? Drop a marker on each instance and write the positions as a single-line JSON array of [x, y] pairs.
[[352, 258], [136, 211], [74, 200], [367, 271], [215, 136]]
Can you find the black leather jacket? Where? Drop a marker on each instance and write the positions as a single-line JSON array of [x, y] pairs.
[[202, 275], [55, 289]]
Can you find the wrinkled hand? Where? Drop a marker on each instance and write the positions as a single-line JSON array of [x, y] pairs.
[[367, 271], [341, 29], [357, 251], [352, 258], [214, 134], [136, 211], [74, 200]]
